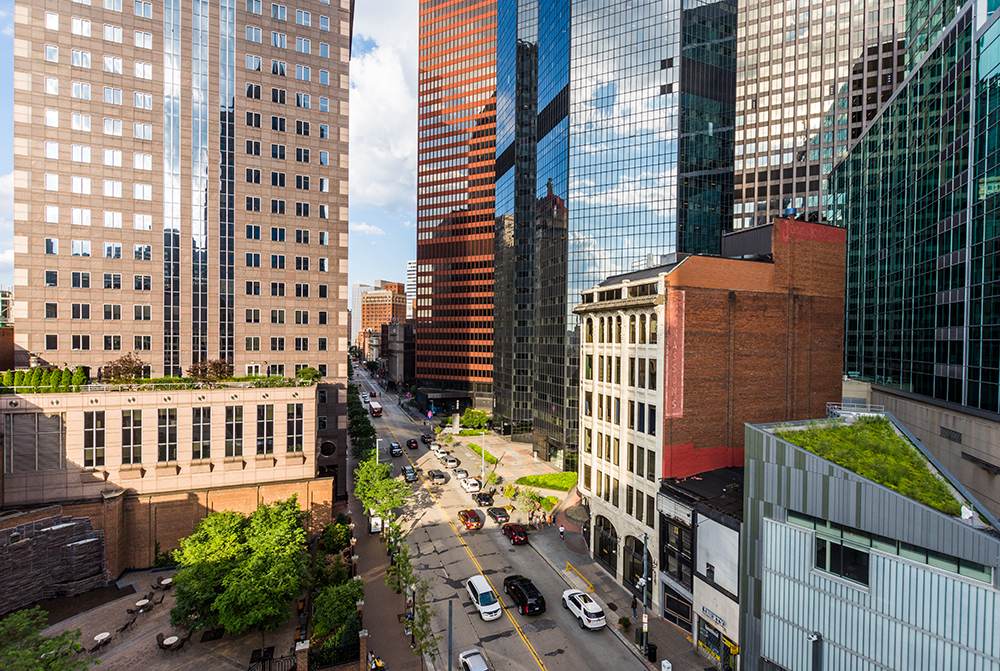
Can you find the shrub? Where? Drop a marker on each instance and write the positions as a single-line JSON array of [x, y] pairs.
[[19, 378], [336, 605], [211, 369], [490, 459], [336, 537], [66, 379], [8, 378], [125, 369], [562, 482], [36, 377], [308, 374]]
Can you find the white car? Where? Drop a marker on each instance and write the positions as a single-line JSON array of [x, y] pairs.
[[484, 598], [584, 609], [439, 452], [472, 485], [472, 660]]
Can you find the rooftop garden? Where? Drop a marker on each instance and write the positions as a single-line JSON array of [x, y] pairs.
[[871, 448], [128, 373]]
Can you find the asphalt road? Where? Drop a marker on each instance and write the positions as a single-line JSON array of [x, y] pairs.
[[446, 555]]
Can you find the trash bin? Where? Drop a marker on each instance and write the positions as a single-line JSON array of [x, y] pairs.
[[651, 652], [638, 636]]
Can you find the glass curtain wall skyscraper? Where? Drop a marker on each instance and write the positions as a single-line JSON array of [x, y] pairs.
[[456, 140], [632, 156]]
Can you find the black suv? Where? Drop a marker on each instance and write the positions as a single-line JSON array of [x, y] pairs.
[[426, 439], [524, 594]]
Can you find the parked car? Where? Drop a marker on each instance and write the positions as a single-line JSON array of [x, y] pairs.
[[426, 439], [471, 485], [395, 450], [484, 499], [499, 515], [409, 473], [524, 594], [471, 519], [516, 533], [412, 443], [441, 454], [460, 473], [484, 598], [472, 660], [436, 477], [584, 609], [451, 462]]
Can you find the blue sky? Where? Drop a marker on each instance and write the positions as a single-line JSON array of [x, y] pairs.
[[383, 154]]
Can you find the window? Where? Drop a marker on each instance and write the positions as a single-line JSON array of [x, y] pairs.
[[145, 40], [78, 281], [253, 6], [253, 62], [842, 559], [51, 53], [253, 148], [324, 158], [142, 343], [112, 311], [302, 263], [52, 21], [277, 316], [277, 234], [302, 182], [279, 12], [253, 260], [142, 131], [51, 278], [112, 343], [253, 34], [303, 73], [166, 438], [52, 214], [278, 96], [201, 433], [302, 316], [142, 70], [143, 252], [324, 131], [113, 158], [112, 219], [277, 344], [52, 121], [80, 58], [302, 210], [324, 50], [278, 123], [51, 182], [234, 430], [77, 26], [142, 282], [322, 291], [302, 291], [112, 250], [279, 68], [79, 90], [301, 155], [51, 310], [302, 100], [80, 247], [278, 261], [324, 77], [112, 188], [112, 281], [112, 33], [80, 217], [253, 119], [253, 91], [80, 342], [303, 18], [253, 176], [253, 315], [277, 206], [324, 106], [252, 343], [265, 429], [144, 9], [93, 439], [253, 232], [321, 346], [278, 151], [142, 161], [142, 313], [131, 436], [302, 45], [295, 430], [142, 191], [142, 222], [324, 23], [253, 288], [112, 5], [279, 40], [277, 288]]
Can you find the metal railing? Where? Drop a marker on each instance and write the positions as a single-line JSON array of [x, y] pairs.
[[286, 663], [839, 409], [570, 567]]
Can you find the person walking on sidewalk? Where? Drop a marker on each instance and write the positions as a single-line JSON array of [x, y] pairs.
[[635, 604], [562, 530]]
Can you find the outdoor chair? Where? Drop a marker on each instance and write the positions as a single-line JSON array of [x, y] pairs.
[[155, 586], [159, 641], [131, 611], [127, 625], [160, 600], [150, 596]]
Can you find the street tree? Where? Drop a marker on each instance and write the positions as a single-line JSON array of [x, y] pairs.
[[24, 648], [423, 638], [378, 492], [239, 572], [475, 419]]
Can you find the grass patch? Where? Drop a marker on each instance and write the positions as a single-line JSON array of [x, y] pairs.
[[471, 432], [490, 459], [872, 449], [562, 482], [549, 502]]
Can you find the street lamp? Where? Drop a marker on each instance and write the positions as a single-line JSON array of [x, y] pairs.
[[378, 441], [482, 452], [645, 630]]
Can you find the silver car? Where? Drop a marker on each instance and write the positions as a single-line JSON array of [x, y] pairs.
[[451, 462], [472, 660]]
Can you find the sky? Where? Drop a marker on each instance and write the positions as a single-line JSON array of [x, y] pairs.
[[383, 137]]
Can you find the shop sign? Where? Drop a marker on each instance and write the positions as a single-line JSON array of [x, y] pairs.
[[713, 616]]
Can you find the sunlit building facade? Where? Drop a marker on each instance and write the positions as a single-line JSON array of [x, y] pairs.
[[456, 129], [630, 147]]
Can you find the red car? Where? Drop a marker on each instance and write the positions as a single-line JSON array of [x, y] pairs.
[[471, 519], [412, 443], [516, 534]]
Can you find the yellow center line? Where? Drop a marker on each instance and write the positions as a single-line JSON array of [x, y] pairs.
[[468, 550]]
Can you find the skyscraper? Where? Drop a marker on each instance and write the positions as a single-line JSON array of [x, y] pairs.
[[810, 77], [456, 142], [411, 288], [357, 295], [615, 125]]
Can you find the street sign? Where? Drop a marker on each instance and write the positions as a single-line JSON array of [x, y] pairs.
[[645, 618], [430, 414]]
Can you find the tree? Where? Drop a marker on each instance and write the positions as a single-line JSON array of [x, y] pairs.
[[424, 640], [23, 648], [350, 369], [79, 377], [126, 369], [378, 492], [475, 419], [510, 491], [240, 572], [336, 605], [19, 378], [372, 366], [8, 378], [211, 369], [308, 374], [66, 380]]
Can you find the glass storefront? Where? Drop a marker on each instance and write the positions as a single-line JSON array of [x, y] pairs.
[[676, 609], [606, 544]]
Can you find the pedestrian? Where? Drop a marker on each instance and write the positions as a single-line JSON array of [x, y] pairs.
[[371, 657], [562, 530], [635, 604]]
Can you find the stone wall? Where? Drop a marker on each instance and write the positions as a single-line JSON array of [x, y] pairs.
[[44, 558]]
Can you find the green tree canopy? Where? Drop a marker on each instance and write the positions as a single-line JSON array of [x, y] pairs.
[[23, 648], [475, 418], [378, 492], [336, 605], [240, 572]]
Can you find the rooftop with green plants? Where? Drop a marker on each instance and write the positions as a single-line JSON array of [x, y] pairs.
[[871, 447]]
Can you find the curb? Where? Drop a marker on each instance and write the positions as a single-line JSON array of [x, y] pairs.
[[631, 646]]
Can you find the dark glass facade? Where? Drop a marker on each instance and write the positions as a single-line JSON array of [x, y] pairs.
[[918, 198], [633, 159], [456, 129]]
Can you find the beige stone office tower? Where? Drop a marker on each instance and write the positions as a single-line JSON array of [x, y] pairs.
[[810, 77], [181, 186]]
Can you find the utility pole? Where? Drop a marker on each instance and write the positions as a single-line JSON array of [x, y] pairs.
[[482, 452], [449, 633], [645, 625]]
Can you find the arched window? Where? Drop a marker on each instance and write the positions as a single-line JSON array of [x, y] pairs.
[[590, 330], [631, 329], [606, 543], [618, 330], [652, 329], [642, 329], [600, 331]]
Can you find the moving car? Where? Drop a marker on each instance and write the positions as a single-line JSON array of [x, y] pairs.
[[426, 439], [499, 515], [436, 477], [485, 499], [412, 443], [471, 485], [395, 450], [471, 519], [524, 594], [584, 609], [409, 473], [451, 462], [472, 660], [516, 533], [460, 473], [484, 598]]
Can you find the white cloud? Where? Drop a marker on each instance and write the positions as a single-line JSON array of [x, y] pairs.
[[365, 229], [409, 224], [384, 108]]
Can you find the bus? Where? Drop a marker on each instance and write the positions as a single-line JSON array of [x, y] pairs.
[[376, 408]]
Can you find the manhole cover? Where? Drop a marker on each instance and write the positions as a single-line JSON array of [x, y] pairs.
[[613, 606], [510, 550]]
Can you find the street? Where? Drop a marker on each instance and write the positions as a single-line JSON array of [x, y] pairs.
[[447, 555]]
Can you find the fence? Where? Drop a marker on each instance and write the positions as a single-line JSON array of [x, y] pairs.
[[278, 664], [326, 656]]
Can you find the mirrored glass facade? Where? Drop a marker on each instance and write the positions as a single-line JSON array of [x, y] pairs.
[[632, 160]]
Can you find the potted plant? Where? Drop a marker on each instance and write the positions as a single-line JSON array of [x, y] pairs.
[[625, 623]]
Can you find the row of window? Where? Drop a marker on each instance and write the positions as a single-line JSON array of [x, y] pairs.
[[81, 122], [303, 100], [302, 235], [640, 461], [278, 262], [280, 13], [142, 9], [280, 68], [111, 188], [279, 123], [112, 250], [112, 311], [81, 58], [637, 503], [610, 331], [95, 429], [112, 95], [112, 343], [610, 369], [609, 410], [302, 154], [302, 290], [302, 182], [300, 344], [278, 207], [278, 316]]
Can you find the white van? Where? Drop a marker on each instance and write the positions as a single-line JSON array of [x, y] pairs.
[[484, 597]]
